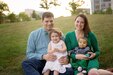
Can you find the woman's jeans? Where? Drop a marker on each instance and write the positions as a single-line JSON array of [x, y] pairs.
[[35, 67]]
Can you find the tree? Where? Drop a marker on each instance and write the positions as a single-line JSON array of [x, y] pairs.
[[74, 5], [3, 7], [109, 10], [24, 17], [2, 18], [46, 4], [12, 17], [35, 15]]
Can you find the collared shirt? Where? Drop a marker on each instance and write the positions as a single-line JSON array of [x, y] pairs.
[[37, 44]]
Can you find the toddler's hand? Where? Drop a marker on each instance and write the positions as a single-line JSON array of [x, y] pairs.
[[56, 50]]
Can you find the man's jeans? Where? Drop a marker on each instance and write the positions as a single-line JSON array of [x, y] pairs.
[[35, 67]]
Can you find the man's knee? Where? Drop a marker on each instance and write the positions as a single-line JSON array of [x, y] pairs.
[[24, 64]]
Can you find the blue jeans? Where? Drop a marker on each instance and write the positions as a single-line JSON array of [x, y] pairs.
[[35, 67]]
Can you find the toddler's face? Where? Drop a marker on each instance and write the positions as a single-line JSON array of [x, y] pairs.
[[82, 43], [55, 37]]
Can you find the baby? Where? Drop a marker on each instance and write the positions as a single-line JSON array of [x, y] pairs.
[[81, 49]]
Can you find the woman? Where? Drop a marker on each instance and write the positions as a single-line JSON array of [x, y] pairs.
[[71, 40]]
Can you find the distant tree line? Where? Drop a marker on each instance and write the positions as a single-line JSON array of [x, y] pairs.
[[12, 17], [45, 4], [106, 11]]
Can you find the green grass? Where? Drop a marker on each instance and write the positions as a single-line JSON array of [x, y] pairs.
[[13, 39]]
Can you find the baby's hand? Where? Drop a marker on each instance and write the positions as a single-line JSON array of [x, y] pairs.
[[82, 56], [88, 55]]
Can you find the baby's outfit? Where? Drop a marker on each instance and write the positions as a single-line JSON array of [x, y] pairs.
[[81, 64]]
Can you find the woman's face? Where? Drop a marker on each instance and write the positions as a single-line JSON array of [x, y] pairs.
[[79, 23]]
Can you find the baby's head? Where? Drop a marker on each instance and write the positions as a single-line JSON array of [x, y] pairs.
[[82, 42], [55, 35]]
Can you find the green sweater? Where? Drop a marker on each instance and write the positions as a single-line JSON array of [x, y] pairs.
[[71, 43]]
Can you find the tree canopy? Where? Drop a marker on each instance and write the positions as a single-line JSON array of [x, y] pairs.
[[46, 4], [3, 7], [74, 5]]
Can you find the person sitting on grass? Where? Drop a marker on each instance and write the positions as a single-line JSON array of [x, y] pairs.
[[56, 47]]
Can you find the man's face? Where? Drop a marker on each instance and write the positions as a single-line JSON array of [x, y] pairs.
[[48, 23]]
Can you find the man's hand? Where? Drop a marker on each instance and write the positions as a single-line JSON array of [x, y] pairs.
[[49, 57], [64, 60]]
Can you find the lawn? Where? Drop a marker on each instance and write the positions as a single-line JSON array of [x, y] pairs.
[[13, 39]]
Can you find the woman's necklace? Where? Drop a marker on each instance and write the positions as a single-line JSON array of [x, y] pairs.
[[79, 34]]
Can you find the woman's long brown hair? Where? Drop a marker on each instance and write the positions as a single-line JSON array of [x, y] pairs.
[[86, 28]]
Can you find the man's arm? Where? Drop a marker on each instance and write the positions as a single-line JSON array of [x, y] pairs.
[[31, 47]]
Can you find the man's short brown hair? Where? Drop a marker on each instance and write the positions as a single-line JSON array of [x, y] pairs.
[[47, 15]]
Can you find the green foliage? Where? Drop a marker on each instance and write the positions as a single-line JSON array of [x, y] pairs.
[[12, 17], [24, 17], [2, 17], [35, 15], [106, 11], [46, 4], [109, 10], [3, 7], [74, 5]]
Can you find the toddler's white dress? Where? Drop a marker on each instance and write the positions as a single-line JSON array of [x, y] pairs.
[[55, 65]]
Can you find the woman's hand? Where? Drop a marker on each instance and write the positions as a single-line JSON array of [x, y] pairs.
[[64, 60], [92, 55], [49, 57], [81, 56]]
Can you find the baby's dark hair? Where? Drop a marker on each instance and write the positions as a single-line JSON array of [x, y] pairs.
[[83, 38], [55, 30]]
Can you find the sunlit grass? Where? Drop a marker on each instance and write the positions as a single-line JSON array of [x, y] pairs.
[[13, 39]]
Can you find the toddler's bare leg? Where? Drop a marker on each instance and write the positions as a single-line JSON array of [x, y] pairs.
[[56, 72], [47, 72]]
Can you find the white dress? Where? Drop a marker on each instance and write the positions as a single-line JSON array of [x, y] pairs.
[[55, 65]]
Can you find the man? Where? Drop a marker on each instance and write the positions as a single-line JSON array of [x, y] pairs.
[[37, 48]]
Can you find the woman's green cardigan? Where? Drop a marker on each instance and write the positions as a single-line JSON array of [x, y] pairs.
[[71, 43]]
